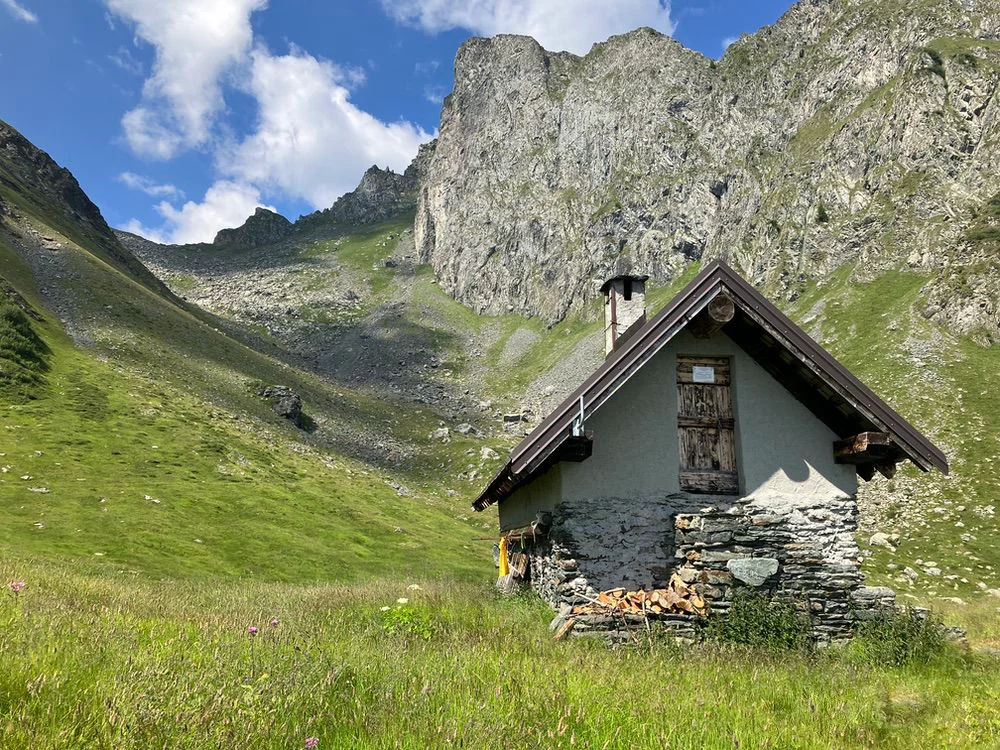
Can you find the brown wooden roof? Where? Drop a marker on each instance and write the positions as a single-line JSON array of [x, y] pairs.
[[845, 404]]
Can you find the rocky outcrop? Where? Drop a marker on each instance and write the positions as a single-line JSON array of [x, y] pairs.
[[851, 131], [382, 194], [263, 228], [52, 193], [285, 402]]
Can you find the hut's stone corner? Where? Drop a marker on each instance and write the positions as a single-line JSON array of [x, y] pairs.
[[806, 556]]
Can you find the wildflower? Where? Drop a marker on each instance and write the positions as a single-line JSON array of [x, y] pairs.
[[275, 622], [384, 609], [414, 587], [402, 600], [312, 742], [252, 630], [17, 586]]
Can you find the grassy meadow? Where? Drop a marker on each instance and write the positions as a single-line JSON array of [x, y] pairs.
[[92, 661]]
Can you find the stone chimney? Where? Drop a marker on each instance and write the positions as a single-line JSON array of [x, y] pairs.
[[624, 309]]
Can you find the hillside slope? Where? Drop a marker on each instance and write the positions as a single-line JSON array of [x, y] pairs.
[[132, 436]]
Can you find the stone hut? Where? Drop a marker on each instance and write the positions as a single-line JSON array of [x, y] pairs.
[[718, 446]]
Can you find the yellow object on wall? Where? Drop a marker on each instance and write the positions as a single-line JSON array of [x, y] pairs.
[[504, 565]]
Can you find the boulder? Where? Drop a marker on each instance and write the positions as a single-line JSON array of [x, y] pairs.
[[285, 401]]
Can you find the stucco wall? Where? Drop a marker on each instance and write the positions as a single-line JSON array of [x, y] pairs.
[[542, 494], [784, 453]]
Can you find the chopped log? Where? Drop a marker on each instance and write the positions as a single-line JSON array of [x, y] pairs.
[[719, 312], [863, 448], [564, 629]]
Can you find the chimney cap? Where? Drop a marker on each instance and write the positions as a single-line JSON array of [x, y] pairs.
[[623, 276]]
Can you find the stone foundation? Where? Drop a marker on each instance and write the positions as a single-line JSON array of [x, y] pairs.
[[806, 555]]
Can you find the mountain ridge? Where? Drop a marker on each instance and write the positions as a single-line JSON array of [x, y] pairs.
[[785, 156]]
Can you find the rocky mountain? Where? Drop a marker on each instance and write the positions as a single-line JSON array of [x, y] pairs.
[[32, 182], [382, 194], [263, 228], [849, 131]]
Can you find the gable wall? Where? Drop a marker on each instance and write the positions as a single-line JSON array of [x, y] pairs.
[[785, 454]]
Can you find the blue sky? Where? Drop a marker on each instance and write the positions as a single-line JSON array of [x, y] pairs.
[[180, 116]]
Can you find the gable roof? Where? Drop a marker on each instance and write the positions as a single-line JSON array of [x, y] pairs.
[[845, 404]]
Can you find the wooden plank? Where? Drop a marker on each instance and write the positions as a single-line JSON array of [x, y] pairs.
[[727, 451], [686, 365], [865, 447], [866, 471], [718, 423], [710, 482], [704, 401]]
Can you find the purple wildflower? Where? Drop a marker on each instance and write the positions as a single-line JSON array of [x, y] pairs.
[[17, 586], [275, 622], [252, 630], [312, 742]]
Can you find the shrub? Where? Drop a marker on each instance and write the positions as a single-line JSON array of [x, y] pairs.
[[822, 217], [407, 620], [895, 637], [753, 620]]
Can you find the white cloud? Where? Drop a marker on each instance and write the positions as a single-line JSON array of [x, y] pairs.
[[149, 187], [556, 24], [19, 11], [226, 204], [124, 59], [196, 43], [435, 94], [311, 141]]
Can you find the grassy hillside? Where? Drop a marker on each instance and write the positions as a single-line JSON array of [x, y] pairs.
[[148, 451], [947, 387]]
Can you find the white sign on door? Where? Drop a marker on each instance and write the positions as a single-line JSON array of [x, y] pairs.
[[703, 374]]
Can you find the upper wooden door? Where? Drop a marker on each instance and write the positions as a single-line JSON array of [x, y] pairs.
[[705, 426]]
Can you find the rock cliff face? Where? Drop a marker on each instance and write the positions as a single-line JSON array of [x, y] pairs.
[[850, 131], [263, 228]]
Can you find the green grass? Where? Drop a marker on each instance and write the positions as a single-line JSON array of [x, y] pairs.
[[136, 474], [144, 664], [364, 251], [24, 356]]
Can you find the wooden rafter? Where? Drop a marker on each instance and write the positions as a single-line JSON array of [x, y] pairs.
[[863, 448]]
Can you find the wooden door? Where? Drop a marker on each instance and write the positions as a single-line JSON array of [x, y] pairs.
[[705, 427]]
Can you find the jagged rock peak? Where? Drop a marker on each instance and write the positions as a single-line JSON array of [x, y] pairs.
[[54, 194], [381, 194], [850, 132], [263, 228], [46, 181]]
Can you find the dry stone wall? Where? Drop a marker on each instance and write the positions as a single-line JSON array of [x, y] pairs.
[[806, 555]]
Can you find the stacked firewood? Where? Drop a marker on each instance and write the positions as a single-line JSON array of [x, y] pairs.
[[677, 597]]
